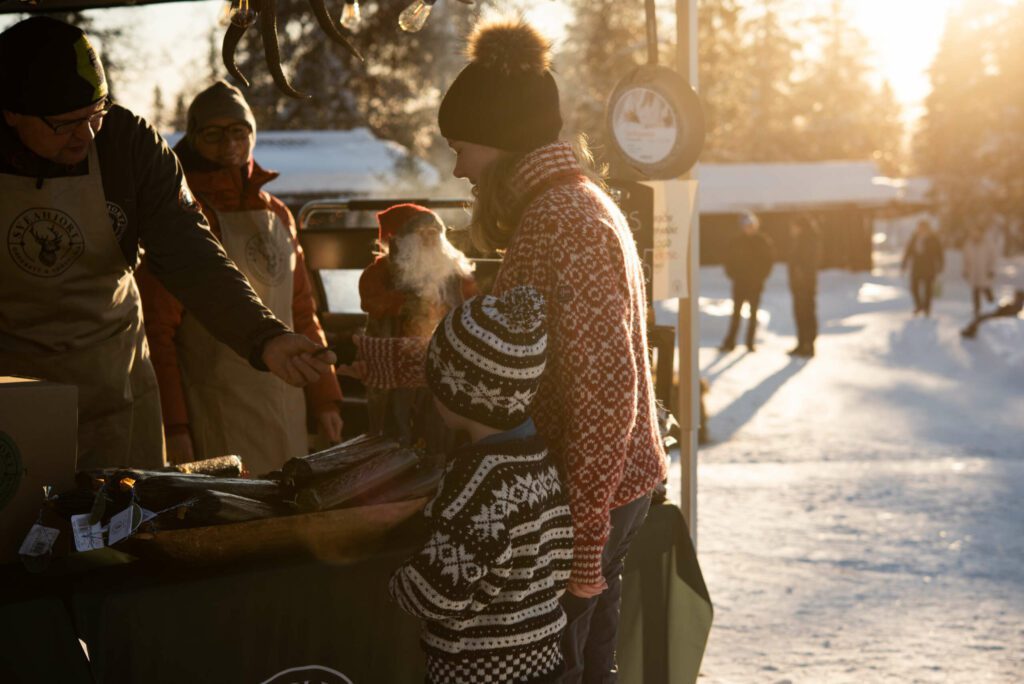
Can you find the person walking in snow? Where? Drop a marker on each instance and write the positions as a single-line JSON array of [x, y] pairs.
[[564, 236], [748, 262], [923, 256], [979, 255], [804, 253]]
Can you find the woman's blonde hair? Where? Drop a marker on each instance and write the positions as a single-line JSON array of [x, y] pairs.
[[496, 214]]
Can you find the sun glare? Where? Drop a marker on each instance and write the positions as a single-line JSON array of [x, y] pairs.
[[904, 37]]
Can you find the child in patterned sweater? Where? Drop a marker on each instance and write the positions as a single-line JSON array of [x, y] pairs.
[[499, 553]]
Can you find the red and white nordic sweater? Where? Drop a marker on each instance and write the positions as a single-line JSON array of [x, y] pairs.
[[595, 406]]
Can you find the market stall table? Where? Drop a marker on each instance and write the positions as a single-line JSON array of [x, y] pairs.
[[249, 622]]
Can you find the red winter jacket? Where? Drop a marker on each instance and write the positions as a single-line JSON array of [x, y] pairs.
[[220, 189]]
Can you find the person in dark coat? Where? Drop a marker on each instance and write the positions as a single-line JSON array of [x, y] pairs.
[[925, 260], [748, 262], [804, 255]]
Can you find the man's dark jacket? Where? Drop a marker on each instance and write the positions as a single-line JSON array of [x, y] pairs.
[[748, 261], [925, 260], [150, 205], [803, 261]]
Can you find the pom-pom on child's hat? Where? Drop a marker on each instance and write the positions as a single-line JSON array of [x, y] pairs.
[[487, 356], [393, 220], [506, 96]]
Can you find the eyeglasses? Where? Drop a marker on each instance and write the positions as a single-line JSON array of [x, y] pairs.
[[215, 134], [94, 120]]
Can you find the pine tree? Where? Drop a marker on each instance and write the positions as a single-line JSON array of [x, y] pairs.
[[608, 39], [159, 116], [962, 143], [841, 114], [180, 120], [720, 58]]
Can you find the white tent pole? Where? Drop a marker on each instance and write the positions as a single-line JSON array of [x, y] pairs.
[[687, 332]]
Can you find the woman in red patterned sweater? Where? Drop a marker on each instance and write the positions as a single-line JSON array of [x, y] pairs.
[[564, 236]]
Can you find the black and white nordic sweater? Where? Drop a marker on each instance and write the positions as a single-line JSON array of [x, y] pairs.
[[498, 557]]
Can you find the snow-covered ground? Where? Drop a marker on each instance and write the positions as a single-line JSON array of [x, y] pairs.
[[860, 514]]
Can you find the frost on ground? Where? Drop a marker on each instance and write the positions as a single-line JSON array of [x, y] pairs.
[[860, 514]]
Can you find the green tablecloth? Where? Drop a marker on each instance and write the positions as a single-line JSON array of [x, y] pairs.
[[247, 624]]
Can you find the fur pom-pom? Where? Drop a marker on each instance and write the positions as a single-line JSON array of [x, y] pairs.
[[511, 46]]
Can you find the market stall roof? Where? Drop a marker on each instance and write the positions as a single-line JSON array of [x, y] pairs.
[[329, 163], [22, 7], [791, 186]]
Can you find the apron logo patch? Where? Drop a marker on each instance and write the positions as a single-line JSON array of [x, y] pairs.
[[45, 242], [267, 260], [118, 219], [311, 674], [11, 469]]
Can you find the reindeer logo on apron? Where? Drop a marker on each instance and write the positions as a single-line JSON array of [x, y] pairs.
[[269, 259], [45, 242]]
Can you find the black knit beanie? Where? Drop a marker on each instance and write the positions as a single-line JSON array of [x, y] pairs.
[[486, 357], [506, 96], [48, 68]]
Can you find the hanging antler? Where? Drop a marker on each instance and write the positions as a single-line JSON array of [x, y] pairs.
[[327, 23], [266, 11], [268, 29], [231, 39]]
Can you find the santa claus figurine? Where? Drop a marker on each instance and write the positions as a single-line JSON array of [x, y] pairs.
[[417, 277]]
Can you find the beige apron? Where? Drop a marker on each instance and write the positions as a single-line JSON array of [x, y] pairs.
[[232, 407], [70, 312]]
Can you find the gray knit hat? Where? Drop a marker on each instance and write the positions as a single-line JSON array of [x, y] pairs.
[[487, 356], [219, 100]]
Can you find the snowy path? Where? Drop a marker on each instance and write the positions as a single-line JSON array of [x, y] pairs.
[[860, 513]]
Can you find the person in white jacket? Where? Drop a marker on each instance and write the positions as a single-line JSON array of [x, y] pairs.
[[980, 257]]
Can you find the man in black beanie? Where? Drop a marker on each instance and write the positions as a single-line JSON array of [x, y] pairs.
[[82, 183]]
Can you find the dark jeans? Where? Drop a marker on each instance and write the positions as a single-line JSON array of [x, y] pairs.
[[976, 294], [588, 643], [806, 317], [751, 296], [921, 289]]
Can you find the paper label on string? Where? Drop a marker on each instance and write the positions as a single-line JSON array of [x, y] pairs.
[[147, 515], [38, 541], [120, 526], [87, 537]]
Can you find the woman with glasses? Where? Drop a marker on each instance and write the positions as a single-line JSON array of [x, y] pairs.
[[213, 402], [82, 184]]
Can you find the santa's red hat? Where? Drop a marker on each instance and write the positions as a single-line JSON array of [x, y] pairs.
[[394, 219]]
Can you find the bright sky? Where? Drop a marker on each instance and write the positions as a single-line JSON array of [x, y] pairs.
[[903, 34]]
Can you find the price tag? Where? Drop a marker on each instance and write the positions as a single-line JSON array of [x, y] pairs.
[[38, 541], [87, 537], [120, 526]]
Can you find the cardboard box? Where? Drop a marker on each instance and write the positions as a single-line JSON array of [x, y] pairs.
[[38, 447]]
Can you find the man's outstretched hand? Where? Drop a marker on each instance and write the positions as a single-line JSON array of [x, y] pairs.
[[297, 360]]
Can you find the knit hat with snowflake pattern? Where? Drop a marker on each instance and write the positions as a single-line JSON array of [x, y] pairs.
[[506, 96], [486, 357]]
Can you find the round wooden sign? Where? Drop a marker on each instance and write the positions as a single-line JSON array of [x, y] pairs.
[[655, 123]]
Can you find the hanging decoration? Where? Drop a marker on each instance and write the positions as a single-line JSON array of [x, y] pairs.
[[241, 17], [238, 15], [351, 16]]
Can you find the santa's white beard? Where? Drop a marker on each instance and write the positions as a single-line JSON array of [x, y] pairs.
[[426, 271]]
